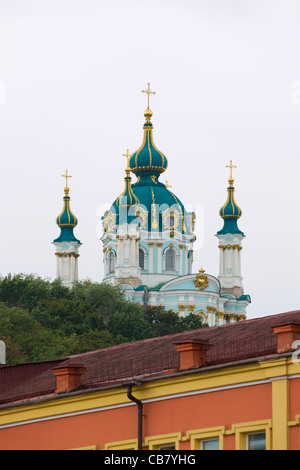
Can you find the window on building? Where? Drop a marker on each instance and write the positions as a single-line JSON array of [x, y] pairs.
[[111, 262], [256, 441], [167, 447], [210, 444], [170, 259], [141, 259]]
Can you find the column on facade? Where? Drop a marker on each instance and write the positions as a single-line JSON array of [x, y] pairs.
[[150, 244]]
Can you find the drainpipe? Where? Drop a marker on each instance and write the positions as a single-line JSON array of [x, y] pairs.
[[140, 413]]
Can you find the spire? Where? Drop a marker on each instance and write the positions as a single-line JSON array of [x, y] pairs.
[[127, 198], [148, 159], [230, 211], [66, 219]]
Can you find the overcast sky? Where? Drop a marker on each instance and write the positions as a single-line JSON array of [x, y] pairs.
[[227, 80]]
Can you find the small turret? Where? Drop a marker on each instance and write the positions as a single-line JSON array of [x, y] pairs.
[[230, 244], [66, 244]]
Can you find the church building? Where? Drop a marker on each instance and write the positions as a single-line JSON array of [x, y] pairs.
[[148, 239]]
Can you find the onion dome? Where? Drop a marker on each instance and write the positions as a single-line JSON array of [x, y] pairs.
[[148, 158], [127, 198], [230, 211], [66, 219]]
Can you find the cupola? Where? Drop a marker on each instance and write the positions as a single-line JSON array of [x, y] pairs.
[[230, 211], [148, 159], [127, 198], [66, 220]]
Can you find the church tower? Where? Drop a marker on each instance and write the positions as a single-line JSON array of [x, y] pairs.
[[67, 245], [230, 244]]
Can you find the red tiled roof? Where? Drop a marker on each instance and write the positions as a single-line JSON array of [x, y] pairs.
[[148, 358]]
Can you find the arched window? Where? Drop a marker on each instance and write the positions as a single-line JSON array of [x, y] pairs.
[[111, 262], [141, 259], [170, 260]]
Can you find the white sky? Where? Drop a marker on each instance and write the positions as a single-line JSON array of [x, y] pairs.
[[227, 80]]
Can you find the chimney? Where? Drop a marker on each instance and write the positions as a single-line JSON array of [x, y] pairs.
[[192, 353], [68, 377], [287, 333]]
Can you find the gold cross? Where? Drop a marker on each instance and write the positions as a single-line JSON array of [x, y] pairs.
[[66, 176], [167, 185], [230, 166], [149, 92], [127, 155]]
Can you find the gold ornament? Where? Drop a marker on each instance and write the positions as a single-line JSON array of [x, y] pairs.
[[201, 280]]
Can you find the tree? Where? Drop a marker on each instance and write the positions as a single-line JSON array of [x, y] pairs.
[[93, 340], [41, 320], [191, 322], [130, 323], [162, 322]]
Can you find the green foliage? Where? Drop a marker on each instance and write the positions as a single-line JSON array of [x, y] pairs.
[[130, 323], [41, 320], [167, 322]]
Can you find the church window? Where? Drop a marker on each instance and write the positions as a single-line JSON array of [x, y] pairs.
[[171, 220], [170, 260], [111, 262], [141, 259]]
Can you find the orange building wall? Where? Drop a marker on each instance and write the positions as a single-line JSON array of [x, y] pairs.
[[294, 410], [183, 414]]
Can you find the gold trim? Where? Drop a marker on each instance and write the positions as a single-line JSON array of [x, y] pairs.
[[154, 223]]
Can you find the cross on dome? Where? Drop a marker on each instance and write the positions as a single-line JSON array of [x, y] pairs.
[[231, 166], [66, 176], [149, 92], [127, 155]]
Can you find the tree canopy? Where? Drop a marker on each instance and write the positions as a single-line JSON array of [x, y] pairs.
[[42, 319]]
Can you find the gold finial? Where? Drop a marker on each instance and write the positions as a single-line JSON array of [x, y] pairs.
[[127, 155], [231, 166], [167, 185], [149, 92], [66, 176]]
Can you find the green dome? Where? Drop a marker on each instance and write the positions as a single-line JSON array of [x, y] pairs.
[[153, 202], [230, 208], [230, 212], [148, 158], [66, 221], [157, 200]]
